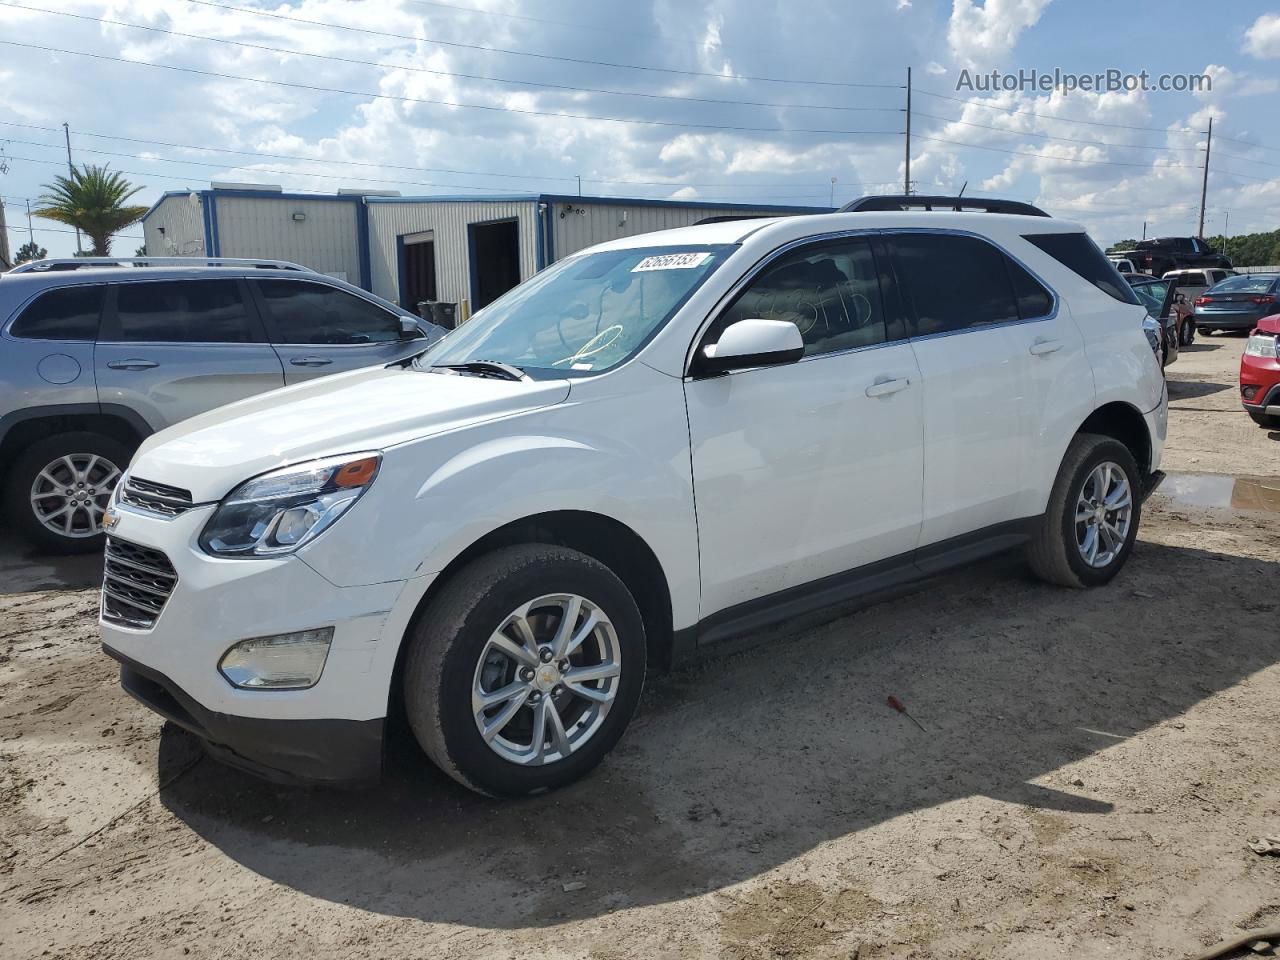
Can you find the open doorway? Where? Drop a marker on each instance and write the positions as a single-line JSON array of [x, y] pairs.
[[417, 269], [495, 260]]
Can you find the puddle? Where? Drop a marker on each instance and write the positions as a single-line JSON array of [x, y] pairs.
[[1256, 494]]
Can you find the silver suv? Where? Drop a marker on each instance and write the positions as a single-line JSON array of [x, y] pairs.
[[97, 355]]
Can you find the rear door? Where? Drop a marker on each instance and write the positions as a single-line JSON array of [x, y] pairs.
[[170, 349], [47, 351], [319, 329], [972, 365]]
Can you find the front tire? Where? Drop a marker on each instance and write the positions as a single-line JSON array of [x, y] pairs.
[[1188, 334], [1265, 420], [525, 670], [1089, 528], [59, 488]]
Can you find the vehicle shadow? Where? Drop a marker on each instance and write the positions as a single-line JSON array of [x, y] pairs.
[[1190, 389], [24, 570], [737, 766]]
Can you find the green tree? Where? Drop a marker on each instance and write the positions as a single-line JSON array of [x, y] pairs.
[[1122, 245], [141, 251], [92, 199], [29, 251]]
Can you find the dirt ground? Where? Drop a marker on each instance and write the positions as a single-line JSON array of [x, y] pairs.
[[1091, 769]]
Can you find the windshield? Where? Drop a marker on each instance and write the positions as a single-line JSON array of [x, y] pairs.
[[584, 314], [1244, 285], [1152, 295]]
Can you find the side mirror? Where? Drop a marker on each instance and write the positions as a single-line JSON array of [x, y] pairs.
[[752, 343], [409, 329]]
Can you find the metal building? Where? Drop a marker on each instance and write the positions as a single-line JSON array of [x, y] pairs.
[[464, 250]]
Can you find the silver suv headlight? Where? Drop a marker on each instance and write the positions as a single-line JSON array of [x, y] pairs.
[[278, 512]]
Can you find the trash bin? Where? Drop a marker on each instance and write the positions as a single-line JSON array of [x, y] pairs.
[[440, 313]]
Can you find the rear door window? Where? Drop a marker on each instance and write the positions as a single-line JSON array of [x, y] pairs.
[[1081, 256], [182, 311], [304, 312], [64, 313], [954, 282], [1033, 299]]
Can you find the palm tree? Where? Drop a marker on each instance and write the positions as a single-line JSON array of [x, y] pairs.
[[92, 200]]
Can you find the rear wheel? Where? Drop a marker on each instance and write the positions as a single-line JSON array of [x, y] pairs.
[[59, 489], [1088, 530], [1187, 333], [525, 670]]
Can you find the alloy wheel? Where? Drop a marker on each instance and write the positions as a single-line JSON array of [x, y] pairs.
[[546, 679], [70, 495], [1104, 512]]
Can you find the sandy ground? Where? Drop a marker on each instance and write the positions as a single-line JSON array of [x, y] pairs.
[[1091, 769]]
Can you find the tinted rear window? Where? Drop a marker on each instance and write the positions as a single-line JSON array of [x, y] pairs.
[[64, 313], [954, 282], [1244, 285], [1081, 256], [182, 311]]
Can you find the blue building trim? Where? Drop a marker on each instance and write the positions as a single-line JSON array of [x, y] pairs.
[[540, 217], [212, 202], [362, 242], [163, 197], [208, 227], [694, 202], [402, 267]]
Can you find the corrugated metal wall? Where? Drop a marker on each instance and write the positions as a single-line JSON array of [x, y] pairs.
[[327, 240], [448, 220], [182, 217], [598, 222]]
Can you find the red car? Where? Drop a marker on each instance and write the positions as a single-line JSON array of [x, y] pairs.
[[1260, 373]]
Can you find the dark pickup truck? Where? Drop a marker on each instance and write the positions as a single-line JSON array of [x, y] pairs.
[[1162, 254]]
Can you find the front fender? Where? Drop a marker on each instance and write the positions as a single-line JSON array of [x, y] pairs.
[[619, 450]]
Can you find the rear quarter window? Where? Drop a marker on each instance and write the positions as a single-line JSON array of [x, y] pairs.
[[1081, 256], [63, 313]]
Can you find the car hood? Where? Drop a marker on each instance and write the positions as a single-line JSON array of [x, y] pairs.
[[363, 410]]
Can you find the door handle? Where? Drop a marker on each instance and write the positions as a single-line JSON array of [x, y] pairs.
[[1043, 348], [310, 362], [132, 364], [882, 388]]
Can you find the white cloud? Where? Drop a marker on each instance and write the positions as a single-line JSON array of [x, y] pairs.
[[1262, 40], [981, 36], [935, 68]]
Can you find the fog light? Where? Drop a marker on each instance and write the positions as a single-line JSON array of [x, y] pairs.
[[286, 661], [1249, 392]]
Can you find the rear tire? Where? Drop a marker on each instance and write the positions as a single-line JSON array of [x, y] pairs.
[[524, 594], [1188, 334], [89, 464], [1058, 552]]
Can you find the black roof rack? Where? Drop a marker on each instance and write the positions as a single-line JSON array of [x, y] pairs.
[[886, 202], [731, 217]]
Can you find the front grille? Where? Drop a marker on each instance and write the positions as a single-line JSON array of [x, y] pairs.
[[155, 497], [136, 584]]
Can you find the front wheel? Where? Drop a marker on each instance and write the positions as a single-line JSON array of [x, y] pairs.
[[1265, 420], [524, 671], [1088, 530], [1188, 333]]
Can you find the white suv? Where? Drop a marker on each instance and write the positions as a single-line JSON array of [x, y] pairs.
[[651, 449]]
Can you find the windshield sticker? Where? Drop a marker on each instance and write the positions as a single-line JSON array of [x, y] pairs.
[[672, 261], [581, 366]]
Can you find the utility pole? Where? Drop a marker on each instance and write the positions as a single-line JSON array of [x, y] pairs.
[[1226, 225], [1144, 229], [906, 176], [31, 234], [1204, 184], [833, 191], [579, 184], [71, 172]]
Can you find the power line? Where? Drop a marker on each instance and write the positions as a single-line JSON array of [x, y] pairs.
[[1030, 113], [1247, 143], [394, 166], [539, 56], [446, 73], [1045, 156], [447, 103], [1046, 136], [114, 236], [515, 16]]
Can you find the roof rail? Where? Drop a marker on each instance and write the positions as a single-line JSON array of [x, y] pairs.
[[913, 201], [81, 263]]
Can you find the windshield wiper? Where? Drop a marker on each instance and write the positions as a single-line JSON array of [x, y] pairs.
[[485, 368]]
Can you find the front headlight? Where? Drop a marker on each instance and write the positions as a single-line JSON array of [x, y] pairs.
[[278, 512], [1261, 345], [1151, 327]]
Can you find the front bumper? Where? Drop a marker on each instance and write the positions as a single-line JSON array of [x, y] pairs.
[[328, 733], [347, 752], [1262, 374]]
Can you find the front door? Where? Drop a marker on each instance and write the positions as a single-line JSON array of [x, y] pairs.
[[170, 349], [813, 468], [318, 329]]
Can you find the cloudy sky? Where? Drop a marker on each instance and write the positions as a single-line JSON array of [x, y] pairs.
[[744, 100]]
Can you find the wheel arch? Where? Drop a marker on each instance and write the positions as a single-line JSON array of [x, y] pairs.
[[38, 423], [1123, 422], [603, 538]]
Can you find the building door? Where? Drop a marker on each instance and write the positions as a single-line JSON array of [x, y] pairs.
[[418, 270], [495, 260]]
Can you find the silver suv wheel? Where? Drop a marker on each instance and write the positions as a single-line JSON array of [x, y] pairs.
[[546, 679], [70, 495], [1104, 511]]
